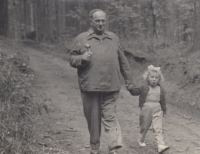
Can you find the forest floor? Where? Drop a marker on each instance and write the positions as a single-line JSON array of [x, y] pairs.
[[63, 129]]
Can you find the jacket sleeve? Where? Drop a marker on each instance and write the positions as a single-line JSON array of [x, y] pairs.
[[75, 56], [162, 100], [124, 67]]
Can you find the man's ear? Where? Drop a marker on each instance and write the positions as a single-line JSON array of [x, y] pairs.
[[90, 21]]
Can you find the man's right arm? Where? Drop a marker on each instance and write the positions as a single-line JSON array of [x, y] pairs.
[[79, 56], [75, 55]]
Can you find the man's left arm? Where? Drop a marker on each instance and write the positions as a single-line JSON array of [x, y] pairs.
[[125, 68]]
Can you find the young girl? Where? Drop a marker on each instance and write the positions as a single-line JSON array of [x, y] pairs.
[[152, 106]]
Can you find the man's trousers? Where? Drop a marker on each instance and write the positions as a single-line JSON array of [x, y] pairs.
[[101, 107], [151, 113]]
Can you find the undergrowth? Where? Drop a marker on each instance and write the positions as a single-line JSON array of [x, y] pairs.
[[18, 105]]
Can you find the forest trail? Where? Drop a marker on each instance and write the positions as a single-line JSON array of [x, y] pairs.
[[64, 131]]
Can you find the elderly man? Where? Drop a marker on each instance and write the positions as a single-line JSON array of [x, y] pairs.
[[100, 63]]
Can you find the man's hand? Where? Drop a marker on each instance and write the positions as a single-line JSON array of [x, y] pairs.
[[164, 113], [129, 87], [87, 56]]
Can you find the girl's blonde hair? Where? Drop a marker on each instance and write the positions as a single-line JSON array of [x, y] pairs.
[[150, 69]]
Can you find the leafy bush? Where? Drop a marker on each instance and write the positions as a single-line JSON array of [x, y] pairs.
[[17, 104]]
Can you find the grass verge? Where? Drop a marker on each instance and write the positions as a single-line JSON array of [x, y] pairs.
[[18, 105]]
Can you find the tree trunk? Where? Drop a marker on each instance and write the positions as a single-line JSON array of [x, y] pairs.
[[195, 40], [3, 17]]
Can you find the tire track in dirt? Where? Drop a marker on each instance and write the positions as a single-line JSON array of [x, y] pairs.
[[64, 129]]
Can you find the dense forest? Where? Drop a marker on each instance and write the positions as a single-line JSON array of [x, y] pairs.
[[150, 23]]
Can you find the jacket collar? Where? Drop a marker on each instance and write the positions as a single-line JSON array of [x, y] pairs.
[[91, 34]]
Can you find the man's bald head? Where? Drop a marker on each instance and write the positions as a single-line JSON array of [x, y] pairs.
[[92, 12]]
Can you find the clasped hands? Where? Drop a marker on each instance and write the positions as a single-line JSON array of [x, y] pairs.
[[129, 87]]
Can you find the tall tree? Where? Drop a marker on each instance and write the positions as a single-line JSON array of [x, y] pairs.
[[3, 17]]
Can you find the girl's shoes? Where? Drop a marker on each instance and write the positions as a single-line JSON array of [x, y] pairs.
[[162, 148], [94, 152], [113, 152], [142, 144]]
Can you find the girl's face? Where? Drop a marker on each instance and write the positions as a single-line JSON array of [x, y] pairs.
[[153, 79]]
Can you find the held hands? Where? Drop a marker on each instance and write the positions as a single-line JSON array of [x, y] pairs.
[[130, 87], [87, 56], [164, 113]]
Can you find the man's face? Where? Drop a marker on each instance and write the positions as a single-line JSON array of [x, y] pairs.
[[98, 22]]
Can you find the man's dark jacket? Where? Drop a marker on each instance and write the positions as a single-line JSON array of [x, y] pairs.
[[107, 64]]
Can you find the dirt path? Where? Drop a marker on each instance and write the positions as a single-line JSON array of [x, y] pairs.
[[64, 130]]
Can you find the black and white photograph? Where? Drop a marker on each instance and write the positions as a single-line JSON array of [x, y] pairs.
[[99, 76]]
